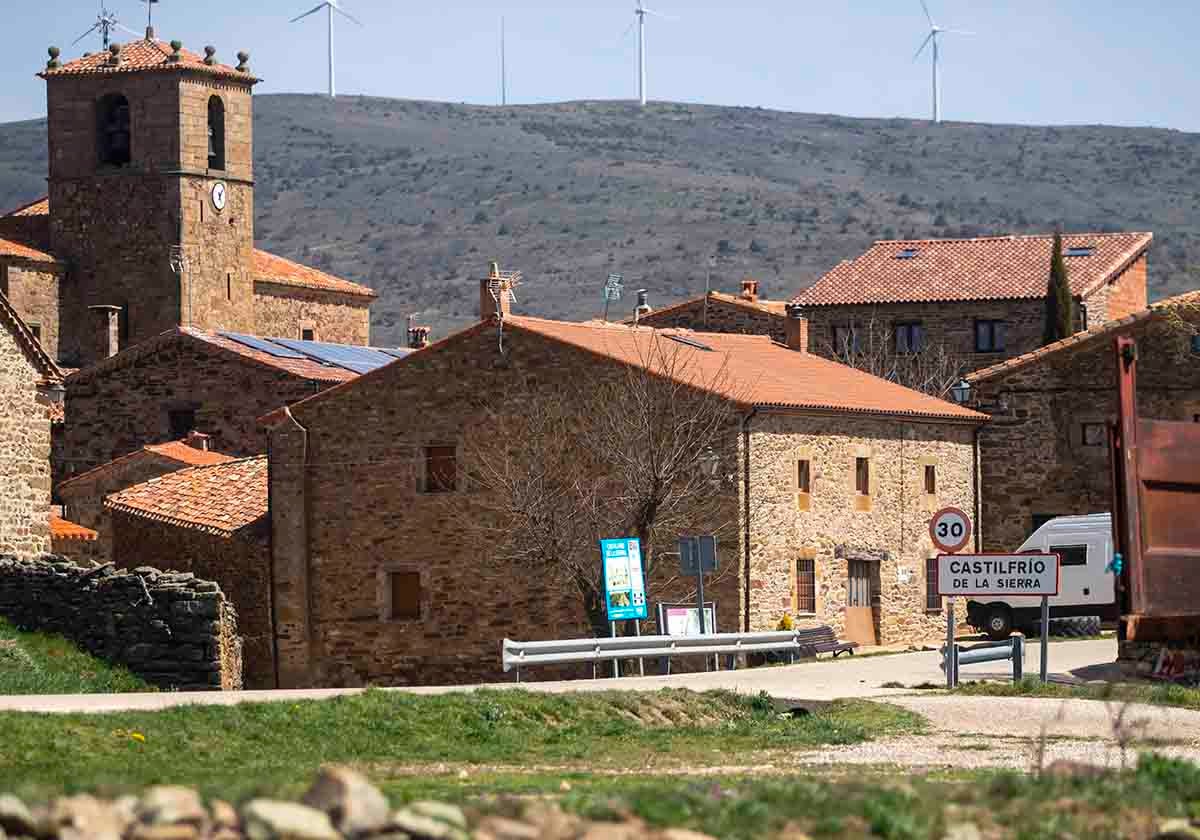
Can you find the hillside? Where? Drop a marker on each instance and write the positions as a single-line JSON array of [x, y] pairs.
[[414, 198]]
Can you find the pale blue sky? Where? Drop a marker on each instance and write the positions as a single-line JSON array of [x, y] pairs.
[[1031, 61]]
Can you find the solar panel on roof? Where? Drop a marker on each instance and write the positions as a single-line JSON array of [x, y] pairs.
[[396, 352], [907, 254], [263, 344], [1082, 251], [357, 359]]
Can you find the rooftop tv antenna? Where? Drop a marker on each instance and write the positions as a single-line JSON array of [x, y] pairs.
[[641, 11], [503, 67], [932, 38], [612, 291], [150, 18], [106, 23], [501, 286], [330, 6]]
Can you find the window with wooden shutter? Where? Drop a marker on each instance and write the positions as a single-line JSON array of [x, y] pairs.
[[441, 469], [405, 595]]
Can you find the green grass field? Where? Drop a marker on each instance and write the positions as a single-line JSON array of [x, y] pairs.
[[1157, 695], [38, 663]]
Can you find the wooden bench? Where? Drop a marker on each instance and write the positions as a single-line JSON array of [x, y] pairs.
[[822, 640]]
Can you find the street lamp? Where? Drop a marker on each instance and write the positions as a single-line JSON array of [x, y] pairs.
[[961, 393], [709, 462]]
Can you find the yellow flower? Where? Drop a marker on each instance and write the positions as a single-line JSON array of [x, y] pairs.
[[138, 736]]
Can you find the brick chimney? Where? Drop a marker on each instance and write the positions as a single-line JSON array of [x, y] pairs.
[[796, 329], [198, 440], [418, 337], [105, 328], [750, 290], [495, 295]]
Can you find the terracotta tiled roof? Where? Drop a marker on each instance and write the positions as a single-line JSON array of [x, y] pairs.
[[269, 268], [50, 372], [304, 368], [771, 307], [145, 56], [176, 450], [41, 207], [64, 529], [992, 268], [25, 233], [1108, 329], [220, 499], [753, 369]]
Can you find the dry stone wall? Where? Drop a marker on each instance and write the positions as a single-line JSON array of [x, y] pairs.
[[170, 628]]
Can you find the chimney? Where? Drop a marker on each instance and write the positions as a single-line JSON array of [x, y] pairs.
[[495, 295], [750, 289], [197, 440], [418, 337], [796, 329], [643, 306], [105, 331]]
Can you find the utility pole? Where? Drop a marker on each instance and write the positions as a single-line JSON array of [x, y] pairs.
[[503, 67]]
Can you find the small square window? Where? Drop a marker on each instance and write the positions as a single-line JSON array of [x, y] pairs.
[[910, 337], [36, 329], [930, 479], [405, 594], [1071, 555], [1094, 434], [307, 334], [804, 475], [933, 601], [1196, 343], [441, 469], [862, 476], [181, 421], [989, 336], [806, 586], [846, 340]]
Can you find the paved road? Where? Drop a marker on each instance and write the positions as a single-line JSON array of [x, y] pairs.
[[823, 680]]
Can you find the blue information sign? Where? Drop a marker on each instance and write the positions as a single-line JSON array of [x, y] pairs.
[[624, 581]]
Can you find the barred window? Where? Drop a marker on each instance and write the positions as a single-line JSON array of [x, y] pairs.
[[806, 586], [933, 601]]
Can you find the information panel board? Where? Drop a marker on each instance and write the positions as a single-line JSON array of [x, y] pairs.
[[624, 580], [997, 575], [684, 619]]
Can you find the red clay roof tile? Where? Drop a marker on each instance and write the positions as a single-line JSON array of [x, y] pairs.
[[220, 499], [991, 268], [64, 529], [176, 450], [142, 56], [268, 268]]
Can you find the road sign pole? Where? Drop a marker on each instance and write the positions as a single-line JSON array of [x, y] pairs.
[[1045, 637], [612, 631], [637, 631], [951, 659]]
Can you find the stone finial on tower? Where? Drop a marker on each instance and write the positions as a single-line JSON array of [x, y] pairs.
[[114, 55], [210, 55], [243, 62], [53, 63], [175, 55]]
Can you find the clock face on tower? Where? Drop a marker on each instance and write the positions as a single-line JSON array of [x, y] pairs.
[[218, 195]]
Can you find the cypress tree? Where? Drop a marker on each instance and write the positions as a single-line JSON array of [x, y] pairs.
[[1060, 306]]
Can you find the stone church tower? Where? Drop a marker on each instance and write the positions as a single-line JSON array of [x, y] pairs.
[[151, 184]]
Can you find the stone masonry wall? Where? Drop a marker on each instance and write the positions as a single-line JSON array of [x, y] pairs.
[[332, 557], [282, 311], [24, 454], [240, 565], [33, 292], [1035, 460], [1126, 294], [890, 531], [722, 317], [121, 410], [169, 628]]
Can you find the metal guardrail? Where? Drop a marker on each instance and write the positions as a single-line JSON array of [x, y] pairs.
[[1012, 648], [517, 655]]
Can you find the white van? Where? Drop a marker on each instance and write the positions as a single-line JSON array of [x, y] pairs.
[[1086, 587]]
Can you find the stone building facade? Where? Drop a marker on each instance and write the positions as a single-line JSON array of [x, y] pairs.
[[149, 221], [183, 380], [83, 496], [1045, 453], [982, 301], [336, 566], [211, 521], [30, 383], [717, 312]]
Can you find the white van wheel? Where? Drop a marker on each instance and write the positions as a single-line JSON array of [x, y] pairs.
[[1076, 628], [998, 625]]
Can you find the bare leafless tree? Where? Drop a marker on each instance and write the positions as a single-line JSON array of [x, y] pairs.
[[874, 347], [618, 455]]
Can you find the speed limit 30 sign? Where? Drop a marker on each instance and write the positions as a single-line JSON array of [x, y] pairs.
[[950, 529]]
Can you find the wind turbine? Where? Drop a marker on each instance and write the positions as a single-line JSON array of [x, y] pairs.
[[105, 23], [330, 6], [932, 37], [641, 11]]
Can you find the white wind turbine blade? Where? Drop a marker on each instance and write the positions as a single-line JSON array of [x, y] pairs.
[[928, 16], [346, 14], [311, 11], [924, 44], [95, 26], [658, 14], [956, 31]]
